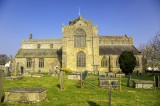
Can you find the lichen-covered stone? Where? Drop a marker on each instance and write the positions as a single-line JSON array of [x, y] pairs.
[[74, 76], [24, 95], [120, 74], [143, 84], [14, 78], [104, 82]]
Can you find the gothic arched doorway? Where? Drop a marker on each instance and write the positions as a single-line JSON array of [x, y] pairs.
[[22, 70]]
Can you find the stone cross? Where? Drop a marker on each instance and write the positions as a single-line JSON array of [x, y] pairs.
[[1, 83]]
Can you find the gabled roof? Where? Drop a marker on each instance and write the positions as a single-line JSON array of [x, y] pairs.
[[117, 49], [37, 53], [115, 37], [58, 40], [79, 18]]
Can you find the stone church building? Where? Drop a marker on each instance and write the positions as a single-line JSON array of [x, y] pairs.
[[81, 48]]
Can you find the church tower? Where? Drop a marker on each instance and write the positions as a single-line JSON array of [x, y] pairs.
[[80, 48]]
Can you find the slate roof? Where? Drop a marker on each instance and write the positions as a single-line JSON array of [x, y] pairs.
[[115, 37], [44, 53], [58, 40], [117, 49]]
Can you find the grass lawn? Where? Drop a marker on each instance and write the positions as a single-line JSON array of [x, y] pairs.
[[87, 96]]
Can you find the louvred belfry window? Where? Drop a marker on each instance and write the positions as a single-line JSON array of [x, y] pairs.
[[79, 38], [81, 59]]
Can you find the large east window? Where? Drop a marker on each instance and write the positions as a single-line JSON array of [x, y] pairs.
[[81, 59], [79, 38]]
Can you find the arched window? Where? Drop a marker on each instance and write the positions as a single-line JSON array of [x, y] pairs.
[[137, 61], [117, 62], [104, 62], [79, 38], [81, 59], [39, 46], [41, 63], [29, 63]]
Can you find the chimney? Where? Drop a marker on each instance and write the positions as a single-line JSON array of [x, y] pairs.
[[30, 36]]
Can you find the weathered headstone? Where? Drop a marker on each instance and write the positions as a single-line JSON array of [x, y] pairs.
[[39, 71], [58, 72], [61, 80], [157, 81], [102, 74], [128, 81], [1, 83], [84, 75], [137, 72], [143, 84], [24, 95], [7, 72], [104, 82], [50, 73]]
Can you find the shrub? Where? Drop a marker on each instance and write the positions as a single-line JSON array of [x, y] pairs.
[[67, 70], [127, 62]]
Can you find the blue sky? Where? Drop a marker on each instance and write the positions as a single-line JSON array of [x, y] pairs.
[[44, 18]]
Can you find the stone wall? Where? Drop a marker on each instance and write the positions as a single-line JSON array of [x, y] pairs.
[[49, 64], [115, 67], [44, 45]]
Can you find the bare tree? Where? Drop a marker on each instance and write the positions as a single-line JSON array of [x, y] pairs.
[[155, 52], [3, 58], [146, 53], [151, 52]]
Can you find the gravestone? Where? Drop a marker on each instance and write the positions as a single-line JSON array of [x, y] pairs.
[[1, 83], [137, 72], [128, 81], [24, 95], [61, 80], [111, 74], [102, 74], [7, 72], [14, 77], [120, 74], [157, 81], [39, 71], [58, 72], [74, 76], [143, 84], [104, 82], [84, 75]]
